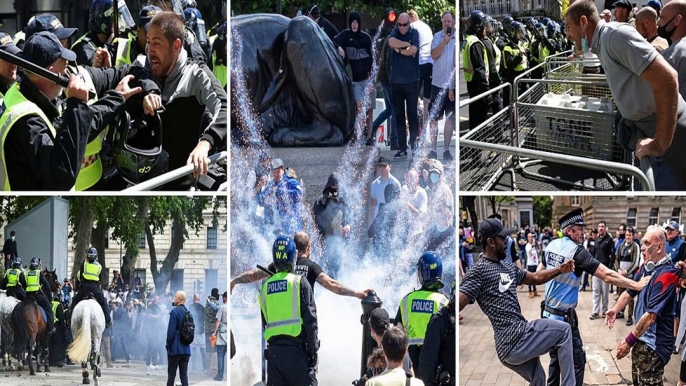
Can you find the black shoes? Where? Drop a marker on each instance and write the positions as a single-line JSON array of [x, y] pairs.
[[400, 154], [594, 316]]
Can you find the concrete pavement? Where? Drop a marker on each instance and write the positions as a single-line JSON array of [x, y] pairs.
[[479, 364]]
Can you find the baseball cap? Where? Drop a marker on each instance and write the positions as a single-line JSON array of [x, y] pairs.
[[379, 319], [43, 49], [624, 4], [606, 12], [382, 162], [146, 15], [51, 24], [312, 10], [673, 225], [7, 45], [276, 163], [491, 227]]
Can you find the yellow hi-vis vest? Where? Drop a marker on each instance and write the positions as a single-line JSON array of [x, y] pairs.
[[19, 37], [91, 164], [90, 43], [16, 106], [523, 65], [91, 271], [12, 276], [280, 305], [219, 71], [124, 50], [54, 309], [32, 280], [498, 55], [467, 60], [416, 309]]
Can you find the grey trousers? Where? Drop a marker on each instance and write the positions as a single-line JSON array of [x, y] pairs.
[[542, 336], [600, 289]]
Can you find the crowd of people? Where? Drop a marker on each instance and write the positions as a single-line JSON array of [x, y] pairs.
[[631, 264], [142, 325], [158, 73]]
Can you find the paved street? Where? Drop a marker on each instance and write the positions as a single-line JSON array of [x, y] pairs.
[[479, 364], [132, 374]]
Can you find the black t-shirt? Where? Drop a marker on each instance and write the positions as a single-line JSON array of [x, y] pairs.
[[305, 268]]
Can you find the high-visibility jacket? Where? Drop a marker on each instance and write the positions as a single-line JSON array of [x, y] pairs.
[[15, 107], [12, 276], [54, 304], [91, 164], [280, 304], [416, 310], [32, 280], [467, 64], [91, 271]]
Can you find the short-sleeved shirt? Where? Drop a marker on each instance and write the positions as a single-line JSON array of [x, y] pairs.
[[305, 268], [531, 255], [221, 333], [493, 285], [425, 36], [377, 190], [405, 69], [676, 57], [624, 55], [658, 297], [444, 65], [393, 377], [419, 200]]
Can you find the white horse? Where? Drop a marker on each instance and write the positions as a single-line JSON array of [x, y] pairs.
[[7, 304], [87, 325]]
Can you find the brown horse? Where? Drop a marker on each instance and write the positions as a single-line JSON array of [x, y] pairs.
[[29, 328], [51, 277]]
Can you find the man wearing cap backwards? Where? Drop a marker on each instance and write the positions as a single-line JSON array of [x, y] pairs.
[[562, 294], [8, 71], [314, 13], [652, 339], [493, 284], [36, 155], [129, 49], [282, 195]]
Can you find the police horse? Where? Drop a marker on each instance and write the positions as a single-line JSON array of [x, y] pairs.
[[7, 304], [87, 326], [30, 331]]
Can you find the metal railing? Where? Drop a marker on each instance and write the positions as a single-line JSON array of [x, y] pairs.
[[219, 158]]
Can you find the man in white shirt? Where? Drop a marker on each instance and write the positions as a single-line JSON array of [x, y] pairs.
[[379, 185], [416, 200], [425, 60]]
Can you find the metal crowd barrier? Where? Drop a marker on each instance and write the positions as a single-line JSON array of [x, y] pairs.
[[545, 125], [220, 158]]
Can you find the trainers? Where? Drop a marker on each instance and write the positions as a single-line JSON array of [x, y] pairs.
[[594, 316], [433, 155], [629, 321], [447, 156], [400, 154], [620, 315], [151, 367]]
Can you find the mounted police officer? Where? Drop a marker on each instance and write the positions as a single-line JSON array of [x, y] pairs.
[[562, 293], [289, 321], [88, 281], [38, 288], [417, 307], [11, 281], [437, 360]]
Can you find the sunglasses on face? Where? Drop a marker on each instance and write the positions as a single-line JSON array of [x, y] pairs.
[[403, 25]]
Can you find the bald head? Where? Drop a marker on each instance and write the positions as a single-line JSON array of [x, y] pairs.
[[672, 18], [646, 22], [653, 246], [404, 23], [180, 297]]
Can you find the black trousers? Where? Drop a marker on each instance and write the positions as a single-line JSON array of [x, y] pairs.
[[579, 362], [57, 345], [86, 287], [405, 95], [289, 366], [16, 292], [180, 361], [120, 338], [414, 351], [42, 301]]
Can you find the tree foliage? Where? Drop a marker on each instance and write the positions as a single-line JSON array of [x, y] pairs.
[[497, 201], [543, 211]]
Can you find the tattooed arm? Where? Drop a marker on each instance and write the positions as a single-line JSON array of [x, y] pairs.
[[338, 288], [248, 277], [641, 327]]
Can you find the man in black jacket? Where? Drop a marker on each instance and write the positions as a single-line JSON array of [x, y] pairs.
[[330, 215], [437, 359], [605, 254], [8, 71], [476, 71], [316, 15], [9, 250]]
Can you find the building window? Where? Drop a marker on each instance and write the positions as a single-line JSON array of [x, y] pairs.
[[210, 279], [575, 200], [211, 238], [676, 215], [654, 214], [141, 241], [631, 217]]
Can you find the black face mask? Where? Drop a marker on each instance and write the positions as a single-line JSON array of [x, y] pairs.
[[663, 33]]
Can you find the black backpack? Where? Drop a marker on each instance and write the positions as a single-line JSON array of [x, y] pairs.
[[187, 331]]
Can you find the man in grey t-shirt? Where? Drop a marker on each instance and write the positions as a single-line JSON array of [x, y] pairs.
[[645, 90], [676, 31], [519, 343]]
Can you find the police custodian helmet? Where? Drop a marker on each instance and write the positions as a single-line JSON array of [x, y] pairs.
[[430, 270], [34, 263], [284, 254], [138, 152], [92, 254]]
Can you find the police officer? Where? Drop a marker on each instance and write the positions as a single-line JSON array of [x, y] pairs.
[[220, 55], [101, 29], [416, 308], [289, 320], [437, 360], [129, 49], [562, 293], [190, 42], [36, 154], [52, 24], [505, 32], [515, 60], [476, 67], [10, 281], [57, 346], [494, 55], [88, 281], [37, 287], [194, 22], [8, 71]]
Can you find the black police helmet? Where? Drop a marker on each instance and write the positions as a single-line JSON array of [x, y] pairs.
[[477, 21], [138, 151]]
